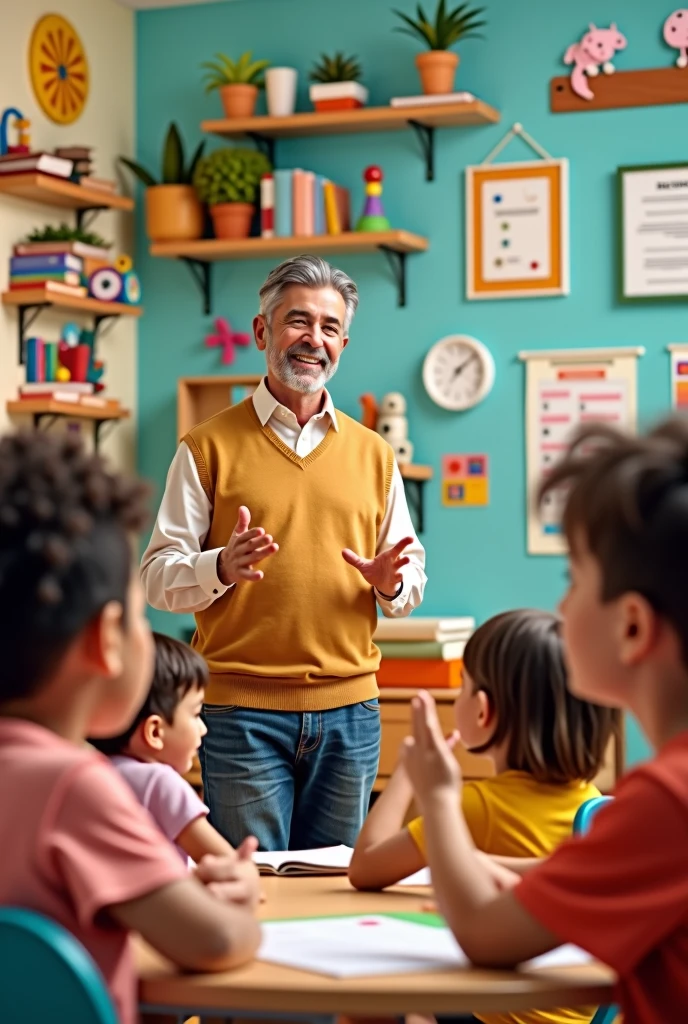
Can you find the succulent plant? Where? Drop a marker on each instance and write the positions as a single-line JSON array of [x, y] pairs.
[[174, 169], [448, 27], [65, 233], [225, 71], [230, 176], [336, 69]]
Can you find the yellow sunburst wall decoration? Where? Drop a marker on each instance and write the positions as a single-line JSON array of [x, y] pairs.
[[58, 69]]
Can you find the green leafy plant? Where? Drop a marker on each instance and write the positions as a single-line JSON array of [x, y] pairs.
[[65, 233], [230, 176], [225, 71], [174, 169], [336, 69], [448, 27]]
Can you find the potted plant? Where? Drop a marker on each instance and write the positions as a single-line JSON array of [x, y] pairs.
[[173, 212], [228, 180], [437, 67], [337, 85], [237, 82]]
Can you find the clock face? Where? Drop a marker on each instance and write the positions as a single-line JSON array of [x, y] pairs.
[[458, 372]]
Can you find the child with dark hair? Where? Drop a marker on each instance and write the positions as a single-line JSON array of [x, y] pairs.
[[77, 662], [546, 747], [158, 748], [621, 891]]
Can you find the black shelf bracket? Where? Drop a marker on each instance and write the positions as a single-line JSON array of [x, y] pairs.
[[397, 262], [86, 215], [53, 417], [426, 137], [27, 315], [201, 273], [414, 497], [265, 144]]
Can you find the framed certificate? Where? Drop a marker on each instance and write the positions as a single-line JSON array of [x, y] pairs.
[[653, 232], [517, 230]]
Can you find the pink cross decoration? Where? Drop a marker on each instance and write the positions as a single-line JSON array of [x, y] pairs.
[[226, 338]]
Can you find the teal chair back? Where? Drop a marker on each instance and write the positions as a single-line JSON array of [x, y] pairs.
[[47, 975], [581, 823]]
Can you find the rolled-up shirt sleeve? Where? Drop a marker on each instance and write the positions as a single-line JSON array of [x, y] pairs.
[[177, 574], [395, 526]]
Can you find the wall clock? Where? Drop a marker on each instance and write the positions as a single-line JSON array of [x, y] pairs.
[[58, 68], [458, 372]]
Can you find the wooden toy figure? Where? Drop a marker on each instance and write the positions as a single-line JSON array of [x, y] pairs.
[[373, 216]]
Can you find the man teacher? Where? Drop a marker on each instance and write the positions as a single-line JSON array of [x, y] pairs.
[[283, 523]]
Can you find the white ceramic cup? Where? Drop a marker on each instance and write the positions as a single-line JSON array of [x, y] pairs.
[[280, 88]]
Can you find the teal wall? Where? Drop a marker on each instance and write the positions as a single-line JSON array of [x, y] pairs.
[[476, 558]]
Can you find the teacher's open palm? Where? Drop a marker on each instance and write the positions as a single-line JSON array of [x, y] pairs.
[[384, 571], [245, 548]]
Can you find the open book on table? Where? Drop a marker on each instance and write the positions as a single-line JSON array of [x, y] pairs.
[[330, 860]]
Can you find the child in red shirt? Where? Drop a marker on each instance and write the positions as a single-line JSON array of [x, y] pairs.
[[620, 892]]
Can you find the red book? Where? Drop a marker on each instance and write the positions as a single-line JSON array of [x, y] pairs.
[[267, 206], [344, 206], [428, 673], [302, 203]]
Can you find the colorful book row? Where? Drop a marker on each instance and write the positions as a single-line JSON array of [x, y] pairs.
[[302, 203]]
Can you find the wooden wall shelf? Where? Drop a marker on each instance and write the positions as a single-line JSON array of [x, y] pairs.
[[30, 301], [43, 188], [647, 88], [48, 409], [422, 119], [199, 255]]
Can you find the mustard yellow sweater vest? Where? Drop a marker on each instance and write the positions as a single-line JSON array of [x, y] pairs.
[[301, 639]]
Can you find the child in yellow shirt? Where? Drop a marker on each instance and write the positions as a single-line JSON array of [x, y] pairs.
[[546, 747]]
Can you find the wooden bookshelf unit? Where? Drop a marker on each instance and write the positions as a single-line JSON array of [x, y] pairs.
[[199, 398]]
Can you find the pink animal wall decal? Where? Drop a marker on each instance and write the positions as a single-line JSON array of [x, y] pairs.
[[597, 47], [676, 35]]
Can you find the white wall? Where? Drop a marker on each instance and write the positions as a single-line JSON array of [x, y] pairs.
[[107, 123]]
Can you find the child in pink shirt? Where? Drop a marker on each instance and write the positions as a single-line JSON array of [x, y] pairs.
[[77, 662], [158, 748]]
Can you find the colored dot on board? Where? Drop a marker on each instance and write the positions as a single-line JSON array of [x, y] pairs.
[[497, 199], [454, 466], [506, 243], [498, 263], [534, 265], [505, 226], [369, 924]]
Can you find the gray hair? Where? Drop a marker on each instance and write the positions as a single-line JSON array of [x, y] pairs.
[[312, 272]]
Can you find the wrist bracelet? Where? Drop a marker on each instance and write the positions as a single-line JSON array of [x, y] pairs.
[[394, 596]]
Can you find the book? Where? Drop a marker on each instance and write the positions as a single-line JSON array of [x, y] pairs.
[[41, 163], [74, 152], [319, 226], [267, 206], [330, 860], [303, 207], [77, 387], [50, 248], [52, 396], [422, 650], [35, 360], [36, 279], [427, 674], [50, 349], [424, 628], [57, 287], [283, 203], [334, 225], [327, 94], [343, 201], [45, 261], [439, 99]]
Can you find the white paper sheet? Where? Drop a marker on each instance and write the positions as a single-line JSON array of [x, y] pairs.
[[421, 877], [655, 231], [376, 944], [330, 859]]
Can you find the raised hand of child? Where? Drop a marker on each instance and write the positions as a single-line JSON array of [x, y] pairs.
[[427, 756]]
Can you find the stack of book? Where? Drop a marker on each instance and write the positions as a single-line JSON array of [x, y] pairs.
[[72, 392], [300, 203], [422, 652], [91, 257], [57, 272], [80, 157], [36, 163]]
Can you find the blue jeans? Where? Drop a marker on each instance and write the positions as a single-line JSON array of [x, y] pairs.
[[295, 780]]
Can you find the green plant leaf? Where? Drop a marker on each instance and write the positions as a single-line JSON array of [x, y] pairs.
[[189, 174], [173, 157], [140, 172]]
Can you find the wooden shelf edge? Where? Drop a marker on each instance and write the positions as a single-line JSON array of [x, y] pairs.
[[84, 303], [414, 471], [212, 249], [642, 88], [43, 188], [74, 410]]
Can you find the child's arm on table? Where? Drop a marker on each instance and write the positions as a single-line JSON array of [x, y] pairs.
[[385, 852], [189, 926], [488, 923]]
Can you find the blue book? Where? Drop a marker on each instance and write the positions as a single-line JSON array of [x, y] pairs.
[[35, 365], [320, 224], [38, 264], [283, 203]]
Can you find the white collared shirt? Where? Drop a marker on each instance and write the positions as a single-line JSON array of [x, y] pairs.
[[178, 576]]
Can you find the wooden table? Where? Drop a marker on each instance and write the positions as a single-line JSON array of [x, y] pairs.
[[266, 988]]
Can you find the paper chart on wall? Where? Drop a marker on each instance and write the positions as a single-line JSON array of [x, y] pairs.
[[654, 231], [564, 390], [679, 377]]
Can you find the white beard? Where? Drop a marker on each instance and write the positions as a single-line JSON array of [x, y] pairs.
[[297, 377]]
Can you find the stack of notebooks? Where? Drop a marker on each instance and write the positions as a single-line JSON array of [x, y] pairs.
[[301, 204], [56, 272], [36, 163], [422, 652]]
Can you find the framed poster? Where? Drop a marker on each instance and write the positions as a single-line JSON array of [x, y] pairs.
[[565, 389], [679, 377], [517, 230], [653, 232]]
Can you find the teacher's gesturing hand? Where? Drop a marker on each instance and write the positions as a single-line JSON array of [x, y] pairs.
[[384, 571], [244, 549]]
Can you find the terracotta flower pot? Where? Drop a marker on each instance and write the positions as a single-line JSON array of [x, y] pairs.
[[173, 213], [239, 100], [437, 69], [232, 220]]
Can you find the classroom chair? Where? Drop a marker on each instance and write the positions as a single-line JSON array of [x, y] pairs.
[[47, 975], [581, 823]]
